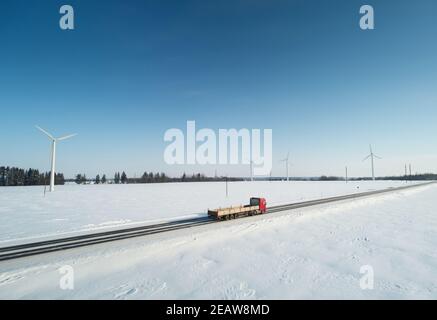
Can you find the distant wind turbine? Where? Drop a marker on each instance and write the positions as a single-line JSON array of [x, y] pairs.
[[54, 141], [372, 156], [286, 163]]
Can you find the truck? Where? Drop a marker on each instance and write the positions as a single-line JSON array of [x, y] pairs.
[[255, 206]]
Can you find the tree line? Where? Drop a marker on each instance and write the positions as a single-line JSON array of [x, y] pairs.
[[147, 177], [12, 176], [118, 178]]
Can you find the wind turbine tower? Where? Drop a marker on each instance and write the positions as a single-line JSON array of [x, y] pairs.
[[372, 157], [53, 162], [286, 164]]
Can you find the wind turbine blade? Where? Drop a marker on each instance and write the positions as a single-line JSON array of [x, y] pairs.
[[367, 157], [67, 137], [45, 132], [378, 157]]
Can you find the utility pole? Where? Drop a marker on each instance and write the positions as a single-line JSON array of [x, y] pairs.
[[251, 170], [346, 175], [406, 175]]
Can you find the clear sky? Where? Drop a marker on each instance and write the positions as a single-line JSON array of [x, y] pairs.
[[133, 69]]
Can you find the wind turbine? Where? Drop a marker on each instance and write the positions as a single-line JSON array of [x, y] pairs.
[[54, 141], [286, 163], [372, 156]]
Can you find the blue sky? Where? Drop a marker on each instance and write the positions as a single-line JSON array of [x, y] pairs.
[[133, 69]]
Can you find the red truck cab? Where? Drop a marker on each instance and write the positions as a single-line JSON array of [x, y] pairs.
[[261, 202]]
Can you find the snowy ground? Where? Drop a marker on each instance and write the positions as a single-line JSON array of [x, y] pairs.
[[25, 212], [307, 253]]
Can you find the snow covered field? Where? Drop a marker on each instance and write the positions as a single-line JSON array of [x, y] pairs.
[[307, 253], [25, 212]]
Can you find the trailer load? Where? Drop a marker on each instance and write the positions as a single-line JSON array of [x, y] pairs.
[[256, 206]]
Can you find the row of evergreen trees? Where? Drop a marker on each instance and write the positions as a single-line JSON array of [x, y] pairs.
[[150, 177], [118, 178], [12, 176], [147, 177]]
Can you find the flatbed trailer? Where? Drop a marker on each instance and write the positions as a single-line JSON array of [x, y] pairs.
[[256, 206]]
